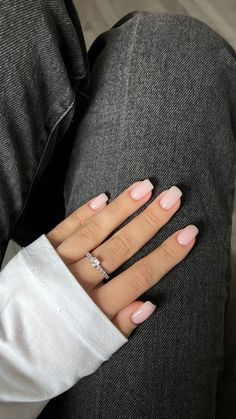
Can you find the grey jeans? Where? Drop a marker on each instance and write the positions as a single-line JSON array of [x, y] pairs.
[[156, 99]]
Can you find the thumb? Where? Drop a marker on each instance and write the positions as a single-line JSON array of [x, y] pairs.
[[139, 310]]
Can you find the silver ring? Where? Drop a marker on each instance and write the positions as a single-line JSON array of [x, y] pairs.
[[96, 264]]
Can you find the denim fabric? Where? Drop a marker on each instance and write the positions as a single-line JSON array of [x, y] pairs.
[[161, 105], [43, 71]]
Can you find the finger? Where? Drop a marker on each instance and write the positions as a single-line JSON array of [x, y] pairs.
[[95, 231], [142, 275], [123, 320], [128, 240], [68, 226]]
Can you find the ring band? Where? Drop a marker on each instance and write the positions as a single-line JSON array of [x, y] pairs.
[[96, 264]]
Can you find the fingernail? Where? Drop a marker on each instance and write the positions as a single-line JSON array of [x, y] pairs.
[[99, 201], [141, 190], [143, 312], [187, 234], [170, 198]]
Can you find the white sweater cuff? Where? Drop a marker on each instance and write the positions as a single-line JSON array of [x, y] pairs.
[[71, 299], [52, 332]]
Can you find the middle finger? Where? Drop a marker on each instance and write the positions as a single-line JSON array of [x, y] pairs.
[[96, 230]]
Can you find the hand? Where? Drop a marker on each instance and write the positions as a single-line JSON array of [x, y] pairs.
[[87, 228]]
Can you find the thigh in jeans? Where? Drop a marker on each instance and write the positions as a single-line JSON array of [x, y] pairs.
[[162, 107]]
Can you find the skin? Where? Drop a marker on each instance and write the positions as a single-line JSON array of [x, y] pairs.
[[86, 229]]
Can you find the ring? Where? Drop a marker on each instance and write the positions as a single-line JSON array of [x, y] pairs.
[[96, 264]]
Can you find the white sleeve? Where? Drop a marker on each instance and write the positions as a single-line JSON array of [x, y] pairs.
[[51, 331]]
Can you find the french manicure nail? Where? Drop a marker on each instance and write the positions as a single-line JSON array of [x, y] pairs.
[[170, 198], [99, 201], [143, 312], [141, 189], [187, 234]]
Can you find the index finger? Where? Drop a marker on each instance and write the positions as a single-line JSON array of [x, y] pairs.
[[95, 231], [75, 220]]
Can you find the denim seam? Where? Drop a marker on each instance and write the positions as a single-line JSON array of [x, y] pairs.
[[39, 163]]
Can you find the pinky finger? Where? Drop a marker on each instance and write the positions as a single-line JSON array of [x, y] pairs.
[[132, 315]]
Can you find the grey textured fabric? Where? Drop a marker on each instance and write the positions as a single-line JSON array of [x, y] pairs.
[[161, 104], [43, 79]]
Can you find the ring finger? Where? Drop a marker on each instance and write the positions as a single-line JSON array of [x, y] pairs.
[[129, 239]]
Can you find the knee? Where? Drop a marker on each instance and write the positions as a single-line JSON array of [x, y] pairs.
[[178, 66], [180, 81], [177, 42]]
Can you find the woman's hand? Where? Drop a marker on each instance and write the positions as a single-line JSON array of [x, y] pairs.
[[87, 228]]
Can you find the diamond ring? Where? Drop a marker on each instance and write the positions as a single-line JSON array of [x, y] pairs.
[[96, 264]]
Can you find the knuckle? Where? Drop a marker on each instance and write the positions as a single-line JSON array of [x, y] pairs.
[[120, 245], [119, 208], [151, 218], [169, 252], [77, 217], [90, 231], [56, 233], [143, 276]]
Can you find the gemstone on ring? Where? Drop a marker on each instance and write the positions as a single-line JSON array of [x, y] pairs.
[[95, 262]]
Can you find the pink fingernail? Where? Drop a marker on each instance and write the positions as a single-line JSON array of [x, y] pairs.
[[171, 197], [141, 190], [99, 201], [187, 234], [143, 312]]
